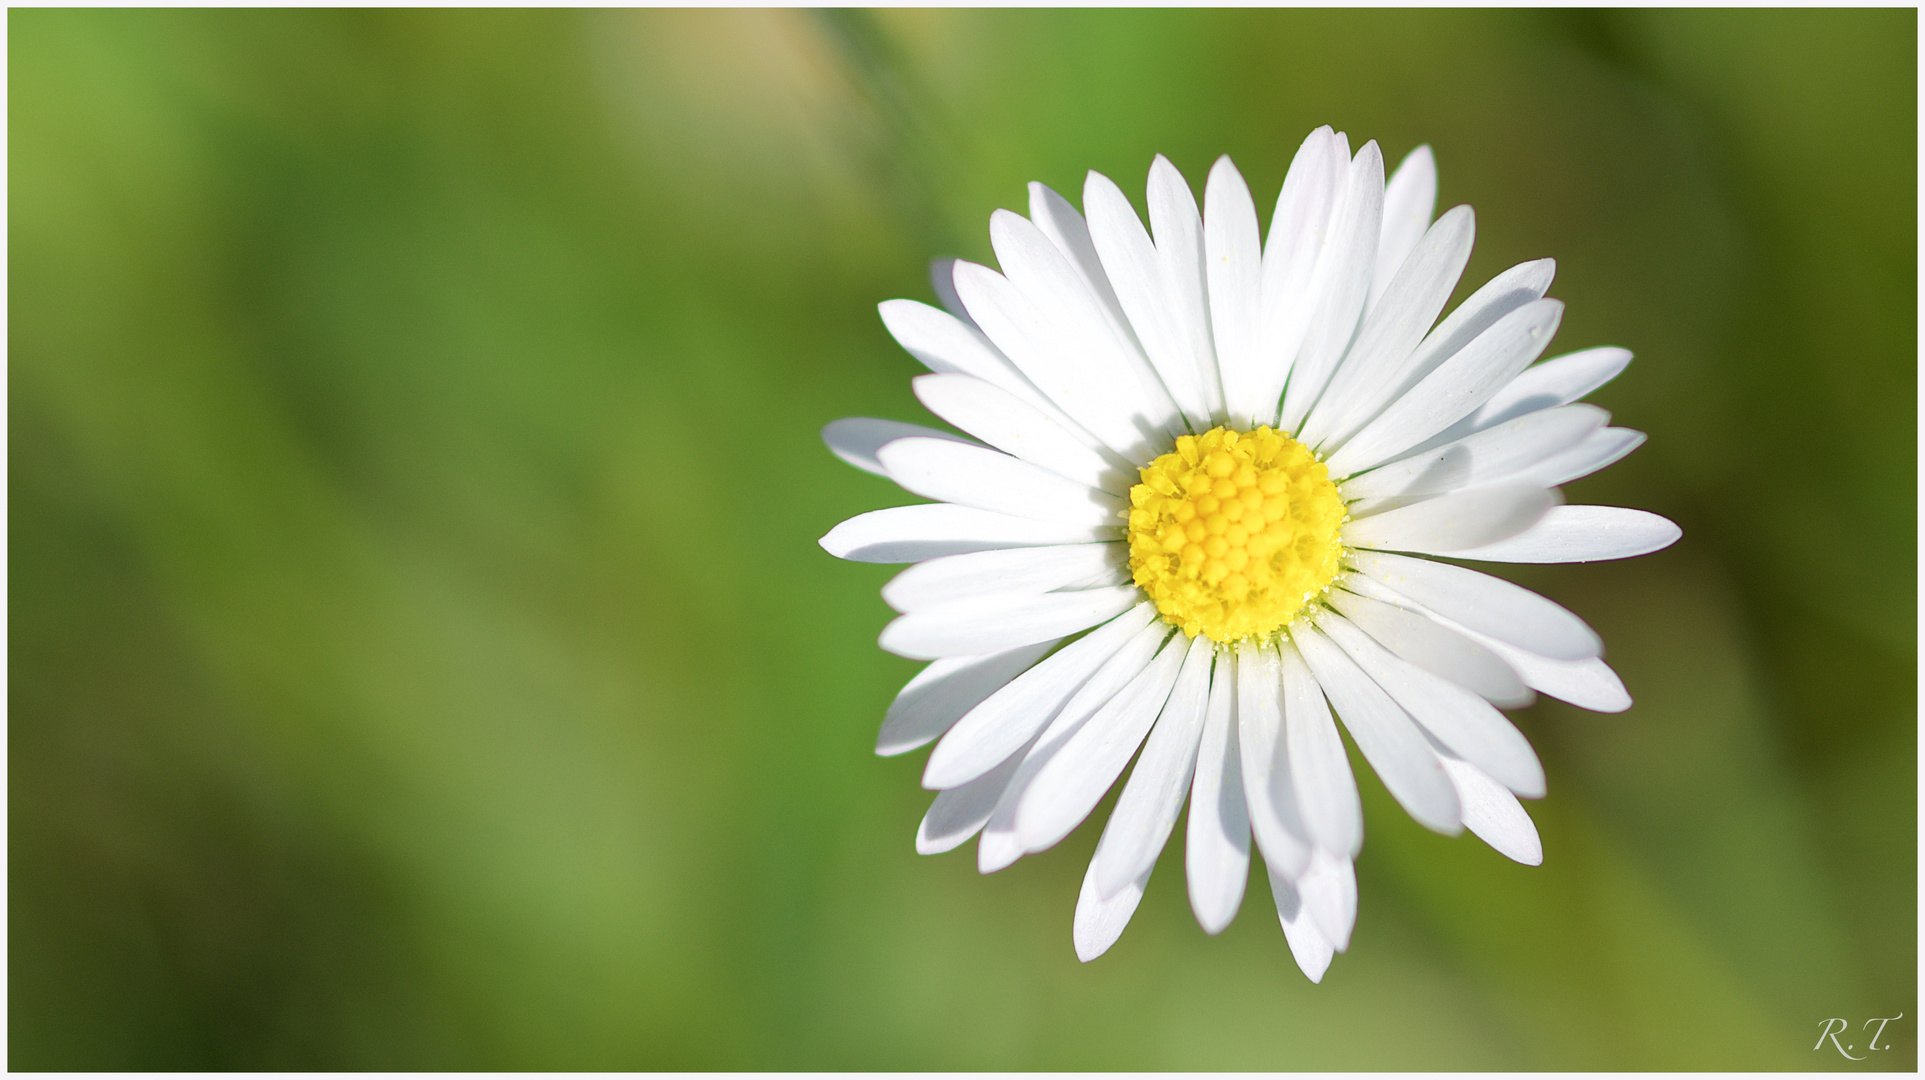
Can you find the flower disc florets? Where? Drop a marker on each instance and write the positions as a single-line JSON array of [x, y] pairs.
[[1232, 534]]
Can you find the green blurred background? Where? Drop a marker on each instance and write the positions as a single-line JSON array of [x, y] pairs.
[[420, 653]]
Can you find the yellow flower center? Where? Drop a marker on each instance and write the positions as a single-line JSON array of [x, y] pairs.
[[1232, 534]]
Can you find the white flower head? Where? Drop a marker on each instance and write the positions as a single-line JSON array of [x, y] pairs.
[[1196, 520]]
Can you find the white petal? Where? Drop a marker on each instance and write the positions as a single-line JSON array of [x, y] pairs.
[[941, 693], [1308, 946], [1149, 300], [1233, 256], [1005, 721], [1494, 455], [1326, 790], [988, 479], [1455, 388], [1494, 814], [1099, 922], [945, 343], [1599, 449], [1485, 604], [942, 277], [1499, 296], [1329, 892], [1146, 811], [1070, 785], [1065, 228], [1557, 381], [1000, 846], [1391, 331], [1216, 849], [1389, 738], [959, 813], [1343, 275], [1178, 229], [1267, 783], [1457, 718], [1037, 342], [1299, 231], [1452, 523], [1431, 646], [1589, 683], [1015, 426], [857, 438], [1002, 843], [1582, 534], [1081, 326], [913, 533], [1008, 571], [994, 623], [1410, 197]]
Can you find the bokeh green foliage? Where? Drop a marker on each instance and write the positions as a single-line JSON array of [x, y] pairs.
[[420, 654]]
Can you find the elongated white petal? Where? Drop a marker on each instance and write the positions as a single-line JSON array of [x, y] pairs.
[[1486, 604], [1582, 534], [1146, 811], [1078, 325], [1392, 330], [1328, 888], [959, 813], [857, 438], [1008, 718], [1410, 196], [1268, 787], [1216, 850], [1455, 522], [994, 623], [942, 277], [1389, 738], [1589, 683], [941, 693], [1073, 782], [1454, 389], [1557, 381], [1326, 791], [1457, 718], [1299, 236], [1178, 229], [1002, 842], [1345, 273], [1099, 920], [1059, 221], [1599, 449], [1308, 946], [1033, 339], [1233, 255], [1499, 297], [914, 533], [992, 480], [1430, 645], [946, 343], [1147, 297], [1007, 571], [1494, 455], [1015, 426], [1495, 814]]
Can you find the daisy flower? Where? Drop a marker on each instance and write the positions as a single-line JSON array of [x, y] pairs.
[[1197, 520]]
